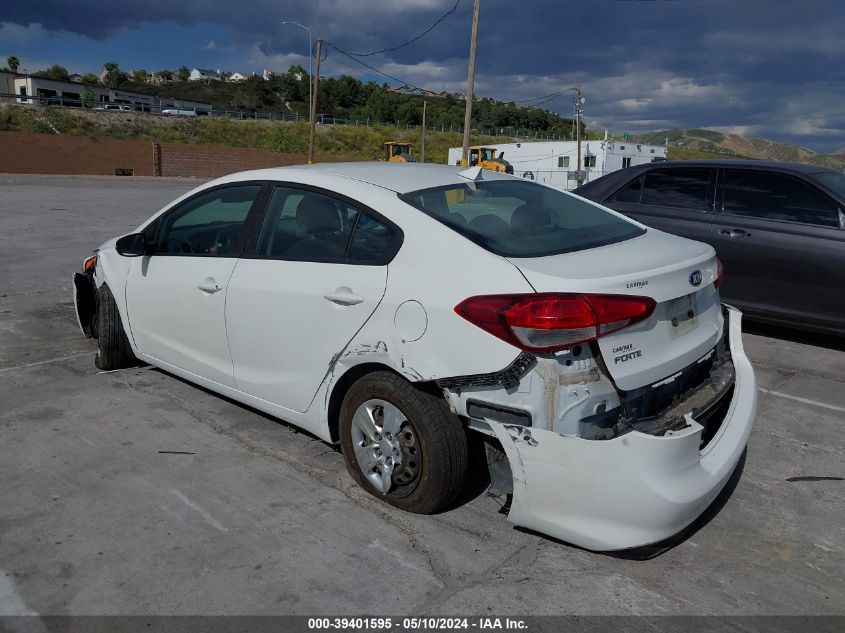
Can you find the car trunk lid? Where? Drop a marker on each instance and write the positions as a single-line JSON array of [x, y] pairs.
[[679, 274]]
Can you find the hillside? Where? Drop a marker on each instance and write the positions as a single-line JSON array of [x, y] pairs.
[[701, 143], [345, 97], [340, 141]]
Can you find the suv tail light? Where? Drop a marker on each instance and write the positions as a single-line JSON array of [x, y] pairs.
[[544, 322], [720, 272]]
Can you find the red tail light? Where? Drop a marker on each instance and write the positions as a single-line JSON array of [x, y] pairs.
[[720, 272], [549, 321]]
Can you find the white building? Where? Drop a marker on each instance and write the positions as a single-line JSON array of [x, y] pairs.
[[555, 162], [43, 91], [238, 77], [198, 74]]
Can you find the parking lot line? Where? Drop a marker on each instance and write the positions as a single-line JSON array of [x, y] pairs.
[[815, 403], [45, 362]]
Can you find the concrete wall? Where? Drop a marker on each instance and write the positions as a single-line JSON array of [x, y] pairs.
[[28, 153]]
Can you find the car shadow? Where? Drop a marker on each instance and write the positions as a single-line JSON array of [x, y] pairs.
[[794, 335]]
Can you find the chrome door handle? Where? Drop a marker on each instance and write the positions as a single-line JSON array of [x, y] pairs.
[[734, 233], [343, 297], [209, 285]]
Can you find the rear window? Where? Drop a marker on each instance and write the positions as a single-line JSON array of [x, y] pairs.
[[521, 219]]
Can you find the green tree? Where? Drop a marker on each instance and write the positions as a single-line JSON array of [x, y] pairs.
[[183, 74], [90, 78], [13, 63], [88, 98], [53, 72], [141, 75], [113, 77], [167, 75]]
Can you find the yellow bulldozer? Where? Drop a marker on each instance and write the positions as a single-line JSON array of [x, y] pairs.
[[485, 157], [398, 152]]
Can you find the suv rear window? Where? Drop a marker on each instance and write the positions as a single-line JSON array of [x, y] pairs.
[[522, 219]]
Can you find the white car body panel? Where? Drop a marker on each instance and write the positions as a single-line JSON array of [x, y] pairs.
[[270, 339], [161, 292], [274, 358]]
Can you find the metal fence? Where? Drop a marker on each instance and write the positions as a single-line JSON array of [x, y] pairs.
[[322, 119]]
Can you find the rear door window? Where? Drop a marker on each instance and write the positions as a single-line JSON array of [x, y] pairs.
[[306, 225], [517, 218], [689, 189], [772, 196], [630, 192]]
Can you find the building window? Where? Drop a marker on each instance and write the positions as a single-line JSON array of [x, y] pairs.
[[563, 161], [652, 151], [590, 161], [626, 162], [621, 147]]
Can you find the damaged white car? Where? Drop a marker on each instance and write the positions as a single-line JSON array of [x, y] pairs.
[[396, 308]]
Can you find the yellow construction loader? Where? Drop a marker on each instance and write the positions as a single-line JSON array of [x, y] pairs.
[[398, 152], [485, 157]]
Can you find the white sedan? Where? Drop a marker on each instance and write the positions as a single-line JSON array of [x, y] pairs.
[[396, 308]]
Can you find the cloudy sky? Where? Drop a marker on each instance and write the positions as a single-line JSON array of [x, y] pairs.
[[764, 68]]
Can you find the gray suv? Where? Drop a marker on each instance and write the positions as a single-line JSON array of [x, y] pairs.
[[779, 229]]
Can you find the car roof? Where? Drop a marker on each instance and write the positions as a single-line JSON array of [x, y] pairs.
[[398, 177], [754, 164]]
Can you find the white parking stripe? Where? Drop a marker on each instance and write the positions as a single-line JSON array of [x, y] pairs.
[[815, 403], [202, 511], [45, 362]]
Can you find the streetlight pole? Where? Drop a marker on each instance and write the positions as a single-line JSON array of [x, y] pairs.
[[310, 74]]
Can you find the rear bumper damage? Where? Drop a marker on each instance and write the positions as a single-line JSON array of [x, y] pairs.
[[638, 488]]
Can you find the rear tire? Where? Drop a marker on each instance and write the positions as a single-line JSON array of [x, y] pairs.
[[113, 350], [429, 444]]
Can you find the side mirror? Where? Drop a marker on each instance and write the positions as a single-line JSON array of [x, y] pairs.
[[133, 245]]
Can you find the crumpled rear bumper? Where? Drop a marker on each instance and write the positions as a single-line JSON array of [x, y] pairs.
[[635, 489]]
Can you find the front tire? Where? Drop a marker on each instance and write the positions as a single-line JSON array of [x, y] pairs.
[[402, 444], [113, 349]]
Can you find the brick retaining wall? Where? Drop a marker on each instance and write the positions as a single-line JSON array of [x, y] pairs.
[[30, 153]]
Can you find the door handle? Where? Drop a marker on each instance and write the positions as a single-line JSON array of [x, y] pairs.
[[344, 297], [209, 285], [734, 233]]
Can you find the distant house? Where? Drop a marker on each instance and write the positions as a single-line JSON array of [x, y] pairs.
[[199, 74], [239, 76], [75, 77], [267, 74]]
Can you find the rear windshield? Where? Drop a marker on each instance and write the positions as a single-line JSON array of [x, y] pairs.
[[515, 218]]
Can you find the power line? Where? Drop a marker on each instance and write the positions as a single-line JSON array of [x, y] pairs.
[[373, 68], [411, 41]]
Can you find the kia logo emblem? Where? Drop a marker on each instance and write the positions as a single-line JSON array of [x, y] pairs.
[[695, 278]]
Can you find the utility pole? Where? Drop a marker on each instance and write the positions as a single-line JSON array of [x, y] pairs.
[[476, 7], [422, 142], [316, 80], [578, 103]]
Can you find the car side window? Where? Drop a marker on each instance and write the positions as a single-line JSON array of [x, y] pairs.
[[209, 224], [776, 197], [684, 188], [305, 226], [373, 242], [630, 192]]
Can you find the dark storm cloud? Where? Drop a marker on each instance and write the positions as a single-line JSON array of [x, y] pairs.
[[770, 68]]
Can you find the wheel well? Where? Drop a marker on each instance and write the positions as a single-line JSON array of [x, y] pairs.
[[350, 378]]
